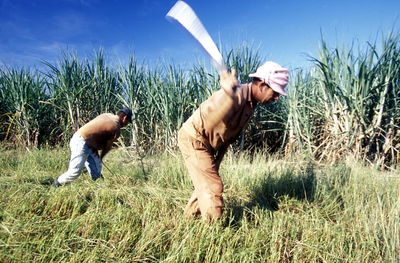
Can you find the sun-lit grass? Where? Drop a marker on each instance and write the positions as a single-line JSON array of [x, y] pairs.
[[277, 210]]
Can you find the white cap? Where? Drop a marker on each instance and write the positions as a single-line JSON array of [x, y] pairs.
[[274, 75]]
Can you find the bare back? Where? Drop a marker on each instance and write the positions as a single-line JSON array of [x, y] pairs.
[[101, 131]]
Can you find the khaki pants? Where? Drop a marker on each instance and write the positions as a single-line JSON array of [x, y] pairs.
[[208, 187]]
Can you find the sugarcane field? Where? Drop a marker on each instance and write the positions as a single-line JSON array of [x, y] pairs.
[[229, 155]]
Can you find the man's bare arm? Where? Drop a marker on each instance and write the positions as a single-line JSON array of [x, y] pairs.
[[106, 149]]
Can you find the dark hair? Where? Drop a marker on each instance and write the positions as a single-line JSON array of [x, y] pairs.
[[255, 79], [258, 80], [125, 112]]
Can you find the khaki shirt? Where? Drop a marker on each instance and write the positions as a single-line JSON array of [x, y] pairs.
[[101, 132], [220, 118]]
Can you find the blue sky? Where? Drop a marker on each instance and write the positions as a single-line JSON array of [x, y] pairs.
[[284, 31]]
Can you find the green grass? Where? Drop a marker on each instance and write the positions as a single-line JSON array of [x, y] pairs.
[[276, 211]]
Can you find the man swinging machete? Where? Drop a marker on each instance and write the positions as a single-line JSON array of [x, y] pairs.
[[206, 135]]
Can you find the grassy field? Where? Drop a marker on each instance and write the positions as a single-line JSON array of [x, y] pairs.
[[325, 208], [288, 210]]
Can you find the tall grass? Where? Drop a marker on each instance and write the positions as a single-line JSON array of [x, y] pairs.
[[349, 104], [23, 117], [162, 99], [346, 104], [276, 211], [80, 90]]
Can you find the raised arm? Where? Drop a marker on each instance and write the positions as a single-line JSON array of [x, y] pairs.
[[229, 82]]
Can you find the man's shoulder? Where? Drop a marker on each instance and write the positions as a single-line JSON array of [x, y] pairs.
[[107, 117], [104, 119], [244, 88], [107, 114], [241, 93]]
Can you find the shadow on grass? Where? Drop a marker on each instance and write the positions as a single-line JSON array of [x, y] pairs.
[[268, 191], [44, 181]]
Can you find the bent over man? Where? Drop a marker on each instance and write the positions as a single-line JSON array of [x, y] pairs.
[[206, 135], [96, 136]]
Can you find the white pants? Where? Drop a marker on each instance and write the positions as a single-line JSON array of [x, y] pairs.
[[81, 155]]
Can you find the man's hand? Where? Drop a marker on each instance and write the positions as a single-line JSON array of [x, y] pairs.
[[229, 81]]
